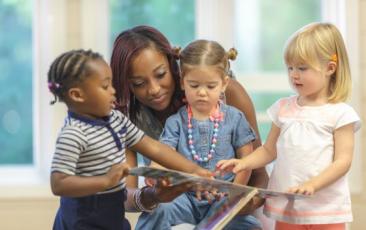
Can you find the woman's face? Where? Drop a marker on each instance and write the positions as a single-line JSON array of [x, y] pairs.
[[151, 80]]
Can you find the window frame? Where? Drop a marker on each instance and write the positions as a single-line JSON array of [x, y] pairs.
[[53, 35], [48, 28]]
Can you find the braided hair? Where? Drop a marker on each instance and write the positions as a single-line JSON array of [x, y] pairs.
[[69, 69]]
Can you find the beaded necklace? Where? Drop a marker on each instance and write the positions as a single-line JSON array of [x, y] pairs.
[[216, 117]]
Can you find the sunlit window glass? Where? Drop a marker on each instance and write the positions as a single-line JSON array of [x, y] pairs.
[[174, 18], [262, 28], [16, 82]]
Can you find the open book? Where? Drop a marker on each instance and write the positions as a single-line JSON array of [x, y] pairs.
[[237, 195]]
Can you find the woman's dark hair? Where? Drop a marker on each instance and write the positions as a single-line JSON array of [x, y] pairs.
[[69, 69], [126, 47]]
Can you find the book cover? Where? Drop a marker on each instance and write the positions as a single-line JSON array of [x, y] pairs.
[[237, 195]]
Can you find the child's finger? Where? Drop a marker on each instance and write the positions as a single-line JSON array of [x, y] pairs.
[[218, 164], [125, 169], [226, 165], [237, 168]]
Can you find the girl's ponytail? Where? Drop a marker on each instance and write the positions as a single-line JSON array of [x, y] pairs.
[[232, 53]]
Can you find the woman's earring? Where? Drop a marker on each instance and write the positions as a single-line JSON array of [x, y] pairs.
[[223, 97]]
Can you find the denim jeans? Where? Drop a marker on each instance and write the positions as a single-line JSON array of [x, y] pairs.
[[187, 209]]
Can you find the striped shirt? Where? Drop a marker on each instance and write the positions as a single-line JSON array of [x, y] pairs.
[[89, 147]]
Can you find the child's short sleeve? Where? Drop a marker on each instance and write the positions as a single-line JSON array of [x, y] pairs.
[[347, 115], [70, 143], [243, 133], [171, 132], [133, 133], [273, 112]]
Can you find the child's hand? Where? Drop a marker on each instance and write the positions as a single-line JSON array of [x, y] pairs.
[[203, 172], [116, 173], [304, 189], [232, 165]]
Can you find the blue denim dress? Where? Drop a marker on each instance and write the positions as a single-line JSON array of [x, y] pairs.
[[234, 132]]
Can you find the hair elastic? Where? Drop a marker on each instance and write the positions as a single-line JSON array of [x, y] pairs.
[[334, 58], [53, 86]]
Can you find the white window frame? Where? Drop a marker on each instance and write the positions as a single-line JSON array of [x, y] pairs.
[[48, 39], [58, 26], [214, 20]]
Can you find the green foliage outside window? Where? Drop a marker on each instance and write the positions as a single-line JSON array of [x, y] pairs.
[[16, 82], [175, 19]]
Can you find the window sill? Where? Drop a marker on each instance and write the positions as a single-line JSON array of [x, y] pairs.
[[23, 183], [22, 192]]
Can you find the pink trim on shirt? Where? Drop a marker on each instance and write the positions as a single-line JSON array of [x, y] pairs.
[[304, 213]]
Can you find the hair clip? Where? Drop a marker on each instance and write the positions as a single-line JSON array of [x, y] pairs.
[[334, 58], [52, 86], [176, 52]]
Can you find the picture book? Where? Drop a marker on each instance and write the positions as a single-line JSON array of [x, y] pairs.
[[237, 196]]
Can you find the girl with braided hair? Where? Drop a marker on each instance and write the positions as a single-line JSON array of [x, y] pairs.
[[89, 163]]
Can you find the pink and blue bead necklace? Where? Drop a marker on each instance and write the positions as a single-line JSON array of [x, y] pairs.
[[216, 117]]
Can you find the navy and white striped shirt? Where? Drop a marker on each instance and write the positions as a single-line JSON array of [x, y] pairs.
[[89, 147]]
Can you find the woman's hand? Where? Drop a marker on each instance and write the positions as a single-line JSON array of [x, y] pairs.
[[211, 195], [252, 205], [165, 192]]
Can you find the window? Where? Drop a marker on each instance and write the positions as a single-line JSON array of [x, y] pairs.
[[29, 125], [174, 18], [16, 128], [261, 29]]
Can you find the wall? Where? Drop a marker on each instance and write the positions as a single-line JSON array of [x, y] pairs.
[[32, 209], [359, 200]]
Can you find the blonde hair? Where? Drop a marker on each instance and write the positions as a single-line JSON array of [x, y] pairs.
[[319, 43], [206, 53]]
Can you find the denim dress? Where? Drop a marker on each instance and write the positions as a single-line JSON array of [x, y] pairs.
[[234, 132]]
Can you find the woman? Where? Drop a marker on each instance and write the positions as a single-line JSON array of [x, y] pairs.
[[146, 79]]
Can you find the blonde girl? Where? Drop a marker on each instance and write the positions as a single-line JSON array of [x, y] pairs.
[[312, 134]]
